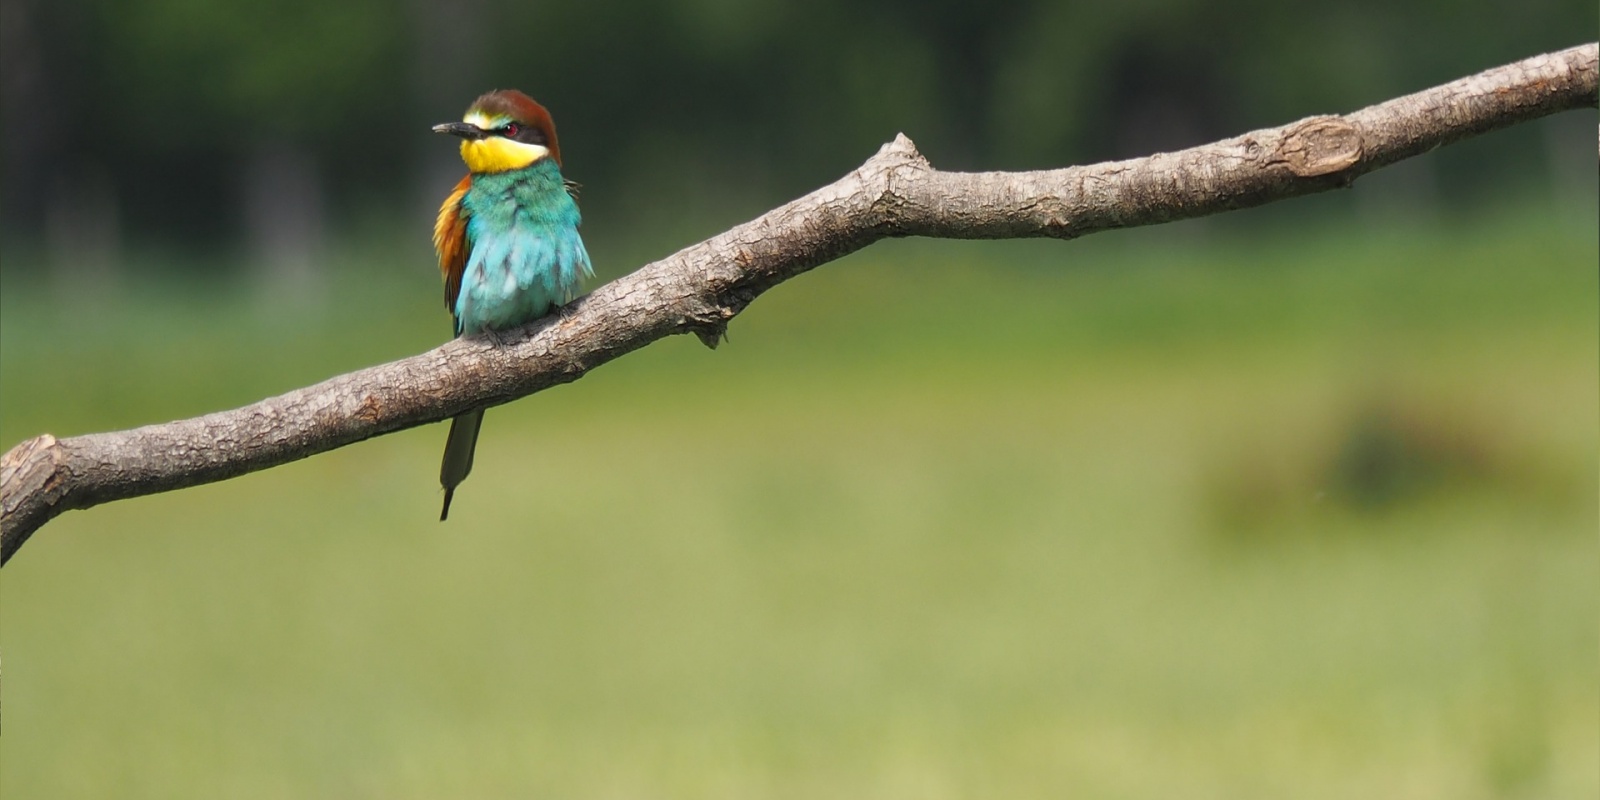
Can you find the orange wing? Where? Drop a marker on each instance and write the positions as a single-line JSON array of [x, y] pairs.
[[450, 241]]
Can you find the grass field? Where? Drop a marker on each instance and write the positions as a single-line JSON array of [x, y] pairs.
[[1155, 514]]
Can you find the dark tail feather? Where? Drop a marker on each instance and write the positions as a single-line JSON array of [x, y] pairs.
[[444, 513], [458, 450]]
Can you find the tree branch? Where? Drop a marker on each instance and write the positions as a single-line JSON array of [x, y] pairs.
[[699, 289]]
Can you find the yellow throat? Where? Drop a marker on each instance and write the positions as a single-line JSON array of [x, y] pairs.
[[497, 153]]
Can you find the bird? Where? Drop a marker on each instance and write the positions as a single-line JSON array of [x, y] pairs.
[[506, 237]]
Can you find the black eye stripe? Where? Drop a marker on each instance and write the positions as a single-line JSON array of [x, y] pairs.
[[530, 134]]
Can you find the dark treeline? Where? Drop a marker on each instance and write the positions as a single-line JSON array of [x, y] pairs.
[[208, 122]]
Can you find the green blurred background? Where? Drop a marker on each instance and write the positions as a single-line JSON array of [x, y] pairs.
[[1294, 502]]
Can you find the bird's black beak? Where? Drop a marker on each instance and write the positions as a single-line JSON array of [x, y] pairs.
[[461, 129]]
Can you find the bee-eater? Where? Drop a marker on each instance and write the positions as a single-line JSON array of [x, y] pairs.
[[507, 238]]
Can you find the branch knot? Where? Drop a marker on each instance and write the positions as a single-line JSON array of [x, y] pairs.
[[896, 165], [1320, 146]]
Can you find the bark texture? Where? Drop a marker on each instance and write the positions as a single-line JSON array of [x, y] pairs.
[[700, 288]]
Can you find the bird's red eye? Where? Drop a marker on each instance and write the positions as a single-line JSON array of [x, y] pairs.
[[510, 130]]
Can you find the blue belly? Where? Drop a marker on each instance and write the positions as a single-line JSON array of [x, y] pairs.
[[525, 253]]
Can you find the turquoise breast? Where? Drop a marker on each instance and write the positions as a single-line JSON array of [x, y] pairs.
[[524, 252]]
